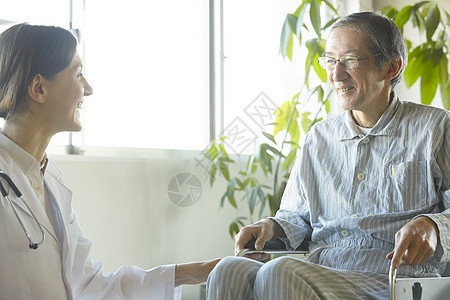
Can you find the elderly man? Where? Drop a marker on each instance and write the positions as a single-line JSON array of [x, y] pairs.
[[370, 188]]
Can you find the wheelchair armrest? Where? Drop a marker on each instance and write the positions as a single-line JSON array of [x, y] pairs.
[[274, 247]]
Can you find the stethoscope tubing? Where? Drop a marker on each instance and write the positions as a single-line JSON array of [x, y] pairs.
[[16, 190]]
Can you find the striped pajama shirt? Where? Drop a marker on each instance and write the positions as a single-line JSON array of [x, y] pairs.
[[349, 193]]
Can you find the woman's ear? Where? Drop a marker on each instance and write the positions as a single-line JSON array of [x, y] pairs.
[[36, 89]]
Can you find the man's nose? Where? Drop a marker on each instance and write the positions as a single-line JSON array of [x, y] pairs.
[[339, 72]]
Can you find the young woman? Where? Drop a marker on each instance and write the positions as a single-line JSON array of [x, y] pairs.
[[43, 252]]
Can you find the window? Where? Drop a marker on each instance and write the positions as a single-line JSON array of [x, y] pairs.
[[256, 77], [147, 62]]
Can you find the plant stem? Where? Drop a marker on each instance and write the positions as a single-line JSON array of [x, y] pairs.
[[275, 182]]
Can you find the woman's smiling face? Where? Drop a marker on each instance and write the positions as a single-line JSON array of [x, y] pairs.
[[65, 96]]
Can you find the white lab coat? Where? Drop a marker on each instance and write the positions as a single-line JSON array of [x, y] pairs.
[[41, 273]]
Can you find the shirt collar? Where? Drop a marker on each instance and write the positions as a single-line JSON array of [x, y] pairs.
[[386, 125], [24, 160]]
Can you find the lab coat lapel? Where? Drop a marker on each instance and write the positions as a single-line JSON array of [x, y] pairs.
[[33, 202], [60, 198]]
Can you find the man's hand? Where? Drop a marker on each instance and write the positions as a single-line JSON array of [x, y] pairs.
[[414, 243], [261, 231]]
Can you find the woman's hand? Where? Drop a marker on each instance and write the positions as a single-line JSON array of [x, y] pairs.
[[194, 273]]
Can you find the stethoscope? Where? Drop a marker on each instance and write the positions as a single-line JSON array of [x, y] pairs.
[[5, 194]]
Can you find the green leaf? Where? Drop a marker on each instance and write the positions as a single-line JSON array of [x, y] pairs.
[[403, 16], [224, 170], [429, 82], [436, 55], [314, 14], [282, 117], [252, 199], [413, 70], [273, 150], [300, 21], [418, 21], [432, 21], [286, 40], [419, 4], [327, 106], [265, 159], [445, 94], [250, 165], [270, 137], [306, 122], [222, 149], [229, 194], [314, 51], [292, 21], [320, 93], [234, 227], [443, 70], [408, 44], [274, 204], [212, 152], [331, 6], [389, 11], [290, 158], [212, 174], [321, 73], [447, 17], [262, 199], [445, 83], [329, 23]]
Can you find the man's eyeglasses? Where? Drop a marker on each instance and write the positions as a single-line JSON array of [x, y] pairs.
[[349, 62]]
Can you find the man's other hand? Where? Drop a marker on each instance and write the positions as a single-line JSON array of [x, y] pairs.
[[414, 243]]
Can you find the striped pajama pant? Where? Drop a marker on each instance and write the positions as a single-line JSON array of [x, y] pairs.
[[238, 278]]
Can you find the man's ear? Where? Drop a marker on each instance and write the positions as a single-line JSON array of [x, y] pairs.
[[37, 88], [393, 68]]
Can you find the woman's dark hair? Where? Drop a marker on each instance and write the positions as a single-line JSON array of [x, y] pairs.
[[27, 50], [383, 37]]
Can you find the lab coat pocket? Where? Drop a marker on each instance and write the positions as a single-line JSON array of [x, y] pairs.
[[407, 185]]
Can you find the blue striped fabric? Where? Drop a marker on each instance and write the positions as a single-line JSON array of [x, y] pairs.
[[350, 192]]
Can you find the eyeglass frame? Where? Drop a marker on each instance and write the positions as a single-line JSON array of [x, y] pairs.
[[357, 60]]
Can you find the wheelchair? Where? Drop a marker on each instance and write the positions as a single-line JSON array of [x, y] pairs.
[[434, 288]]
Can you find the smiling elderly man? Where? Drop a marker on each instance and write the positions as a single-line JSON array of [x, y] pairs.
[[371, 186]]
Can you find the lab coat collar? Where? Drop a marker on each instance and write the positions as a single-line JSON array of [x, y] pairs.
[[23, 163], [23, 159]]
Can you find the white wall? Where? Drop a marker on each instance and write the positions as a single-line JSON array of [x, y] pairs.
[[123, 206]]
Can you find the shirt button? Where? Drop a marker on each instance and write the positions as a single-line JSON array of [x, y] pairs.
[[366, 140], [36, 187], [361, 176], [344, 232], [354, 216]]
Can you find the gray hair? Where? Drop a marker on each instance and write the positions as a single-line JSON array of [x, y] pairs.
[[383, 35]]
